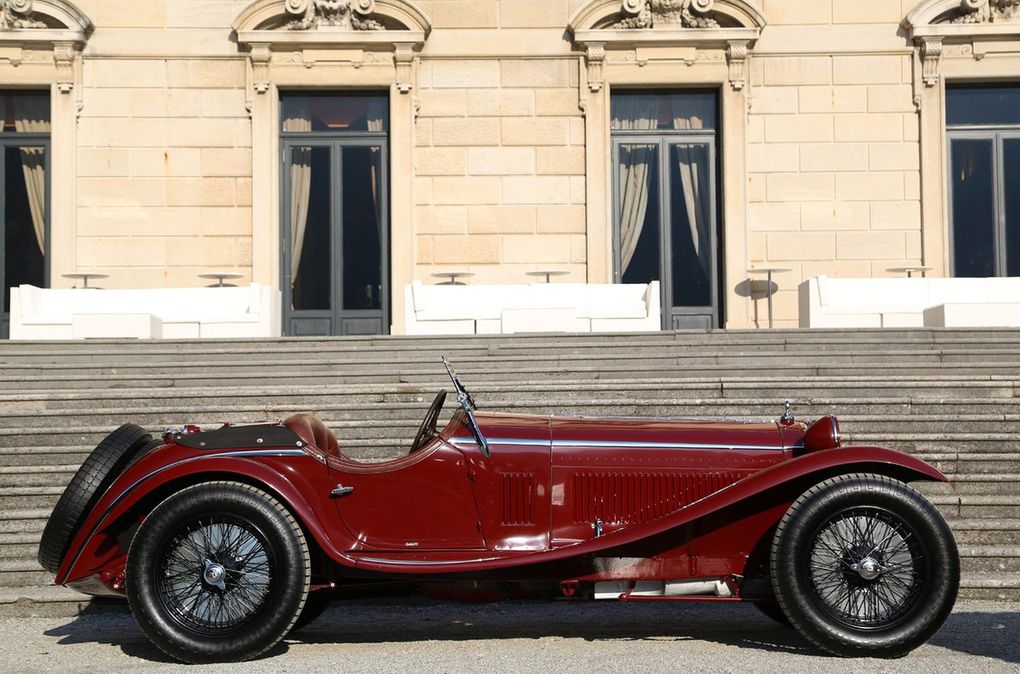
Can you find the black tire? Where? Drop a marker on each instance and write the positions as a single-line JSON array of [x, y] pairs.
[[863, 565], [773, 611], [110, 457], [316, 605], [218, 572]]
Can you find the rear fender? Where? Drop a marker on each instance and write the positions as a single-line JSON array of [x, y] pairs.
[[103, 538]]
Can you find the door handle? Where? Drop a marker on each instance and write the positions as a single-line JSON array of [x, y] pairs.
[[341, 490]]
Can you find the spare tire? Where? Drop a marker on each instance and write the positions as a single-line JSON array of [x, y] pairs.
[[97, 473]]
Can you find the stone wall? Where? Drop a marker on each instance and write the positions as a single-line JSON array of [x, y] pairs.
[[830, 182]]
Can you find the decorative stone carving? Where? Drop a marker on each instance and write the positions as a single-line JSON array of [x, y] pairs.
[[595, 53], [736, 55], [18, 14], [261, 55], [931, 56], [403, 58], [673, 13], [988, 11], [344, 14]]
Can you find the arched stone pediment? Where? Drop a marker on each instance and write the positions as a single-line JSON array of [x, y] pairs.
[[333, 17], [733, 25], [42, 21], [962, 25], [972, 13], [666, 15]]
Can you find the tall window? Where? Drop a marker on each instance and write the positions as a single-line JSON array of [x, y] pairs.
[[984, 145], [24, 201], [664, 156], [336, 233]]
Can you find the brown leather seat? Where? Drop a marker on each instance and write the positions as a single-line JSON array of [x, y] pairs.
[[311, 429]]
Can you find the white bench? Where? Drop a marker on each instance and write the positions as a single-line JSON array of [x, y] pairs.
[[908, 302], [157, 313], [537, 307]]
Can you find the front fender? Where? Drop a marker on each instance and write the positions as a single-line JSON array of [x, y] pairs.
[[294, 477]]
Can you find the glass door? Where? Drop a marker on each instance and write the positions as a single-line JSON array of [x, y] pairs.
[[664, 192], [335, 244], [335, 231]]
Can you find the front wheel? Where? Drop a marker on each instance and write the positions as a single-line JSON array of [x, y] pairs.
[[863, 565], [218, 572]]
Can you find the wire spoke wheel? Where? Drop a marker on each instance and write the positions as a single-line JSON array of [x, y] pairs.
[[866, 568], [215, 575], [218, 572], [863, 565]]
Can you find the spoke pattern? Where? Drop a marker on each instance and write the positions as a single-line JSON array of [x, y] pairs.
[[866, 568], [202, 606]]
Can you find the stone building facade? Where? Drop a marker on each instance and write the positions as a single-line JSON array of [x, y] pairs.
[[614, 140]]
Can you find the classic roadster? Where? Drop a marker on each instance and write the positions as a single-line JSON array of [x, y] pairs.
[[226, 540]]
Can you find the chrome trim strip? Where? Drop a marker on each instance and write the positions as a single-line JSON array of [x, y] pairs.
[[598, 444], [414, 562], [139, 481], [465, 440]]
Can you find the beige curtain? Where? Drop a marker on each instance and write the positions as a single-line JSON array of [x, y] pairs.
[[693, 170], [634, 113], [377, 123], [31, 115], [300, 184]]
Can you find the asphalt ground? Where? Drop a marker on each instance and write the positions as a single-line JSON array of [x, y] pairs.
[[423, 636]]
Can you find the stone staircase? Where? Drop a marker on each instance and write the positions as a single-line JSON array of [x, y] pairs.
[[947, 396]]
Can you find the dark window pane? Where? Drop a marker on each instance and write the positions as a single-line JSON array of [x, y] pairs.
[[663, 110], [310, 233], [334, 112], [982, 105], [1011, 171], [24, 218], [973, 208], [25, 111], [640, 238], [362, 228], [691, 227]]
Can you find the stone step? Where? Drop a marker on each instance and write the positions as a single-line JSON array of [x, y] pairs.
[[816, 337], [993, 586], [794, 369], [23, 521]]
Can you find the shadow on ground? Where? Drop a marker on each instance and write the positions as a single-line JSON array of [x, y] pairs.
[[992, 633]]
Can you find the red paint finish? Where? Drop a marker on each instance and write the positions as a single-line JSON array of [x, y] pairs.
[[559, 500]]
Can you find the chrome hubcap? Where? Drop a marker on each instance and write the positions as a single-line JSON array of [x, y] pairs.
[[214, 575], [868, 568]]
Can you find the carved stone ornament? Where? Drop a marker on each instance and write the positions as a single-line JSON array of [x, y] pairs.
[[931, 55], [343, 14], [18, 14], [988, 11], [666, 13]]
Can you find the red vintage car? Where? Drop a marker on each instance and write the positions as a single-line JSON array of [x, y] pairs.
[[226, 540]]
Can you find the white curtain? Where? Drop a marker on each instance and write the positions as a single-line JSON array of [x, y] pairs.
[[299, 120], [31, 115], [693, 169], [634, 113]]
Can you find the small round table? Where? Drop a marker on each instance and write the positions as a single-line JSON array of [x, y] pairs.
[[547, 273], [769, 271], [221, 276], [453, 276], [909, 270], [84, 277]]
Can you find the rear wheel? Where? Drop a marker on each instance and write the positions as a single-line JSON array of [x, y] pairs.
[[97, 472], [218, 572], [863, 565]]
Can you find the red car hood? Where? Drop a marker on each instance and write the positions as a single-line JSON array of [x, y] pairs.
[[629, 431]]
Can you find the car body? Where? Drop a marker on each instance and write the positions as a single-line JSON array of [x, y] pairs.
[[631, 509]]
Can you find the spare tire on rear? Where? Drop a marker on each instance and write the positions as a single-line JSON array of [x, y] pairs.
[[97, 473]]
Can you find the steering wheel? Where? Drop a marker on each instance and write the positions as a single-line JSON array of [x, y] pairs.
[[427, 431]]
